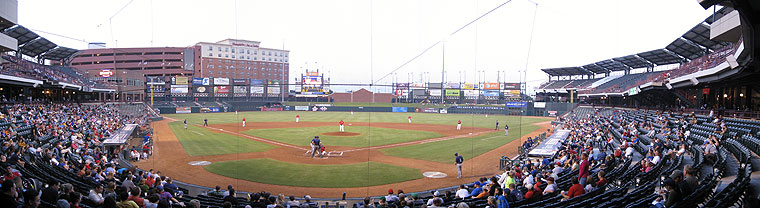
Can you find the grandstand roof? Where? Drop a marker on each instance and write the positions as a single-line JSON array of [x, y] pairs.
[[567, 71], [59, 53], [660, 57], [686, 48], [21, 34], [700, 34], [37, 47], [611, 65], [633, 61], [596, 69]]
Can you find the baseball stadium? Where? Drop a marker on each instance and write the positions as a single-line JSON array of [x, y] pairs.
[[334, 104]]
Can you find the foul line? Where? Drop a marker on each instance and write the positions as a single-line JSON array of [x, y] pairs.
[[257, 138]]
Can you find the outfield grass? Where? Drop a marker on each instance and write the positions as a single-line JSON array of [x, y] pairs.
[[198, 141], [368, 136], [474, 120], [469, 147], [304, 175]]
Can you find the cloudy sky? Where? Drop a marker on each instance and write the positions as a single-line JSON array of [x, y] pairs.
[[362, 41]]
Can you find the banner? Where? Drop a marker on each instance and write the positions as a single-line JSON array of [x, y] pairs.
[[491, 93], [400, 109], [452, 93], [443, 111], [399, 92], [257, 89], [512, 93], [221, 81], [239, 82], [491, 86], [470, 93], [705, 91], [512, 86], [201, 89], [426, 110], [257, 82], [633, 91], [221, 89], [452, 85], [435, 85], [156, 88], [179, 89], [539, 104], [273, 89], [183, 110], [201, 81], [470, 86], [516, 104], [271, 109], [418, 85], [402, 85], [240, 89], [179, 80], [435, 92], [419, 92], [302, 108]]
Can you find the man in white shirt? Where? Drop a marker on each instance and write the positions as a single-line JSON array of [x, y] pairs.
[[462, 192], [96, 195]]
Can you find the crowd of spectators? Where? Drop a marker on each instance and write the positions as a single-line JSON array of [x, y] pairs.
[[14, 66]]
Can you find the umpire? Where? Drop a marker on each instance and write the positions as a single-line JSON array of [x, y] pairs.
[[316, 144], [459, 159]]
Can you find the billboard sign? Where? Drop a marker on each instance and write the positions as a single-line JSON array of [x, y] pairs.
[[452, 85], [239, 82], [258, 82], [201, 81], [516, 104], [470, 93], [179, 80], [435, 92], [240, 89], [470, 86], [491, 93], [179, 89], [273, 90], [452, 93], [201, 89], [402, 85], [105, 73], [257, 89], [183, 110], [418, 85], [511, 86], [221, 89], [491, 86], [221, 81]]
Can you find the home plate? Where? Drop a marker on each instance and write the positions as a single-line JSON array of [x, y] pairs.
[[199, 163], [434, 174]]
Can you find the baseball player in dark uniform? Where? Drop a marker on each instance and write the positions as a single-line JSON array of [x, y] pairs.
[[458, 161], [316, 145], [205, 122]]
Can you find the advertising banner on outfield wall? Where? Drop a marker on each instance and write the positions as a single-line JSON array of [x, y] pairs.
[[273, 89], [516, 104], [435, 92], [470, 93], [452, 93], [257, 89], [221, 89], [258, 82], [201, 81], [183, 110], [302, 108], [179, 80], [239, 82], [491, 86], [179, 89], [402, 85], [511, 86], [426, 110], [470, 86], [417, 85], [240, 89], [400, 109], [491, 93], [452, 85], [271, 109], [221, 81]]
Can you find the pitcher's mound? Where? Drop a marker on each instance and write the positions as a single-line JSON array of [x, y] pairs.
[[337, 133]]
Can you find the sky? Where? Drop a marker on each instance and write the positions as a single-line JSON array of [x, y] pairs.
[[366, 41]]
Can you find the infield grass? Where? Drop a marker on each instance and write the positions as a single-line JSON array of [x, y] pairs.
[[367, 136], [306, 175], [198, 141], [468, 147]]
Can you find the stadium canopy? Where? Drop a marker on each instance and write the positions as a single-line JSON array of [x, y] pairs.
[[700, 34], [633, 62], [596, 69], [21, 34], [59, 53], [686, 49], [567, 71], [660, 57], [611, 65], [37, 46]]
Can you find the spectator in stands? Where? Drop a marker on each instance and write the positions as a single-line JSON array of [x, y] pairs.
[[169, 186], [515, 193], [601, 180], [50, 194], [135, 196], [194, 204], [461, 193], [255, 201], [231, 198], [691, 181], [575, 190], [166, 196], [672, 193], [391, 198], [292, 202], [124, 201], [74, 199], [8, 195], [710, 151], [683, 187], [31, 199], [531, 192], [478, 189], [96, 195], [437, 203], [308, 202], [583, 172], [367, 203]]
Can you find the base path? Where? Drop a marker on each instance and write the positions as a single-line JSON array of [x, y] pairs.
[[171, 159]]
